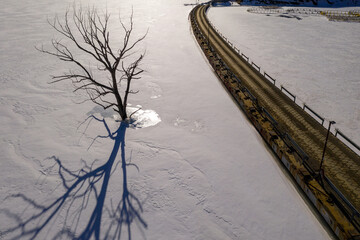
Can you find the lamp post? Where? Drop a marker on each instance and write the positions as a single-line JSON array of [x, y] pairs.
[[326, 140], [208, 38]]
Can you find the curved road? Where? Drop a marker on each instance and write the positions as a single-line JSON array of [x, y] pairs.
[[342, 165]]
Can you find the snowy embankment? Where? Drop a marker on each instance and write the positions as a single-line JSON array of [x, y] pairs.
[[203, 172], [302, 3], [315, 59]]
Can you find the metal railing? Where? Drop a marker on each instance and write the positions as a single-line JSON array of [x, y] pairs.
[[291, 143], [351, 144]]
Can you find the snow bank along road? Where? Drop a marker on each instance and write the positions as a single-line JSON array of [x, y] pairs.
[[298, 130]]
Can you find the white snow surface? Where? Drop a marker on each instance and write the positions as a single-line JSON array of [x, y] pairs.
[[202, 172], [314, 58]]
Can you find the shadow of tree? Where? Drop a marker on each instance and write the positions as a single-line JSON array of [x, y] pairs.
[[84, 197]]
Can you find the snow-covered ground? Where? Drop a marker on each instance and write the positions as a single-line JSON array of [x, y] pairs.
[[203, 172], [314, 58]]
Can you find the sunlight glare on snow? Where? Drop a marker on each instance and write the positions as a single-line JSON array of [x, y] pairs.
[[140, 119], [143, 118]]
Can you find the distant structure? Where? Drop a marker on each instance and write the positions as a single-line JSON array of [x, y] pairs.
[[215, 3], [307, 3]]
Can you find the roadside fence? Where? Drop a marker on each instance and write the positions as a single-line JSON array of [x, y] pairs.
[[343, 138], [332, 15], [225, 74], [304, 11]]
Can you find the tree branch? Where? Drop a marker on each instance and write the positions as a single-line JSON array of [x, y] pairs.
[[89, 33]]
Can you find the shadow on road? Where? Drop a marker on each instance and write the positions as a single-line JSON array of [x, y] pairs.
[[81, 208]]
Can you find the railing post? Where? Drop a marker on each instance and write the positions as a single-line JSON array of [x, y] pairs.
[[326, 140]]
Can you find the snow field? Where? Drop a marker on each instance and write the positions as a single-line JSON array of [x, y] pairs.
[[203, 171]]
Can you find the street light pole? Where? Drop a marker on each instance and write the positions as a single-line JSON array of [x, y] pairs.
[[326, 140], [208, 38]]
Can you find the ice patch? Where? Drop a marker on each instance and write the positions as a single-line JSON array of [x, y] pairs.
[[139, 118], [154, 97], [143, 118], [156, 90]]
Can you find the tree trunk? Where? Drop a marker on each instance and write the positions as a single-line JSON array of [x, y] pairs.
[[120, 105]]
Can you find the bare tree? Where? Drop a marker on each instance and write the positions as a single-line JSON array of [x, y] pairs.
[[88, 31]]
